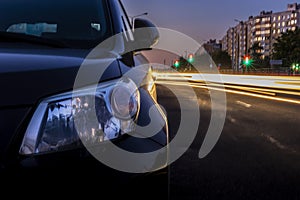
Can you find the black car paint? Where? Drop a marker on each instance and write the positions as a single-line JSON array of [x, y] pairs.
[[31, 72]]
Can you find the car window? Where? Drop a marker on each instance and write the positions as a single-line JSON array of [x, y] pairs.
[[68, 20]]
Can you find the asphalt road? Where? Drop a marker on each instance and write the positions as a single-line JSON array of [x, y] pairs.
[[256, 157]]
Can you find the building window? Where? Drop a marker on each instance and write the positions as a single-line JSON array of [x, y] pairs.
[[266, 19], [279, 18], [294, 28], [279, 24], [274, 18], [283, 24]]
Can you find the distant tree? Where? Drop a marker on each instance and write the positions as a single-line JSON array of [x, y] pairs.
[[184, 65], [287, 48], [255, 51], [222, 58], [257, 57]]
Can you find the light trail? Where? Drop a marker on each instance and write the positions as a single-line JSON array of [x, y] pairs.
[[272, 82], [224, 89]]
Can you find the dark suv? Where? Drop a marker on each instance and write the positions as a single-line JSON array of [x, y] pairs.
[[46, 133]]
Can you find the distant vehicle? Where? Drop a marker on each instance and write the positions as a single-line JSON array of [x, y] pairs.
[[42, 46]]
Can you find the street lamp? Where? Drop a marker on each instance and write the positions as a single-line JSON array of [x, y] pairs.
[[133, 17], [239, 21], [232, 49], [236, 55]]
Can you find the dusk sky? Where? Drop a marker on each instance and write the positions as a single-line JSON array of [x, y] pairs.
[[202, 20]]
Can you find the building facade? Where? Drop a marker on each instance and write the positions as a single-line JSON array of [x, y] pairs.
[[212, 46], [263, 29]]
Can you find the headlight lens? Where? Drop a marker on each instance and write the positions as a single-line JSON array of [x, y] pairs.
[[124, 102], [60, 122]]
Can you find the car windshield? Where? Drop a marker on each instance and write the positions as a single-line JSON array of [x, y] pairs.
[[77, 23]]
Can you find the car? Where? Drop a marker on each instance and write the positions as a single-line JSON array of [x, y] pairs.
[[46, 134]]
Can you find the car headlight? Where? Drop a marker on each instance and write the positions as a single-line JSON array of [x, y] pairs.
[[65, 121]]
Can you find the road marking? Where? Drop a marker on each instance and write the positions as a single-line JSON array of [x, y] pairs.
[[244, 104], [274, 141], [279, 145], [231, 119]]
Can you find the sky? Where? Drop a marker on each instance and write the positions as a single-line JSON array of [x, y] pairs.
[[202, 20]]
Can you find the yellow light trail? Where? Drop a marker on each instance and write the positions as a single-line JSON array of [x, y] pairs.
[[232, 91]]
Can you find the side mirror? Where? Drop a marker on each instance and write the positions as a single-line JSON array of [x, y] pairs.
[[146, 34]]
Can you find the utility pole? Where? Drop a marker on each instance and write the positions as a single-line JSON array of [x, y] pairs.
[[232, 48], [237, 55]]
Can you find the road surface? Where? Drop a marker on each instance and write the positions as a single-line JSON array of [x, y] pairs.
[[257, 155]]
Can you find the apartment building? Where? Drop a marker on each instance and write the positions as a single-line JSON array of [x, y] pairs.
[[263, 29]]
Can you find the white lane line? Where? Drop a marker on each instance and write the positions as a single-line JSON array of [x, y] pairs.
[[275, 142], [244, 104], [231, 119]]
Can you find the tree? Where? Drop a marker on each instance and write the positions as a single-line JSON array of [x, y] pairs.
[[287, 48], [222, 58], [255, 51], [184, 65], [257, 57]]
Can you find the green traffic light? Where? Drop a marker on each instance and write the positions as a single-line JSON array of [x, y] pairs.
[[296, 67], [191, 58], [177, 64], [247, 61]]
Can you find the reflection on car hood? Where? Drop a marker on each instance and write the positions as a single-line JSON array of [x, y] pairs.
[[25, 78]]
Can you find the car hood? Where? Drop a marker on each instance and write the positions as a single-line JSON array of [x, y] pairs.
[[27, 77]]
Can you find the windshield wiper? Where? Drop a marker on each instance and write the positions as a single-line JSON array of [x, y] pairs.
[[21, 37]]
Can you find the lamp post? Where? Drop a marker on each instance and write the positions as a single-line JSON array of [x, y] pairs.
[[133, 17], [232, 48], [236, 60]]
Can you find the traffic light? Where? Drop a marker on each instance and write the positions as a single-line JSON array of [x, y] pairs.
[[247, 61], [177, 64], [296, 67], [191, 58]]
